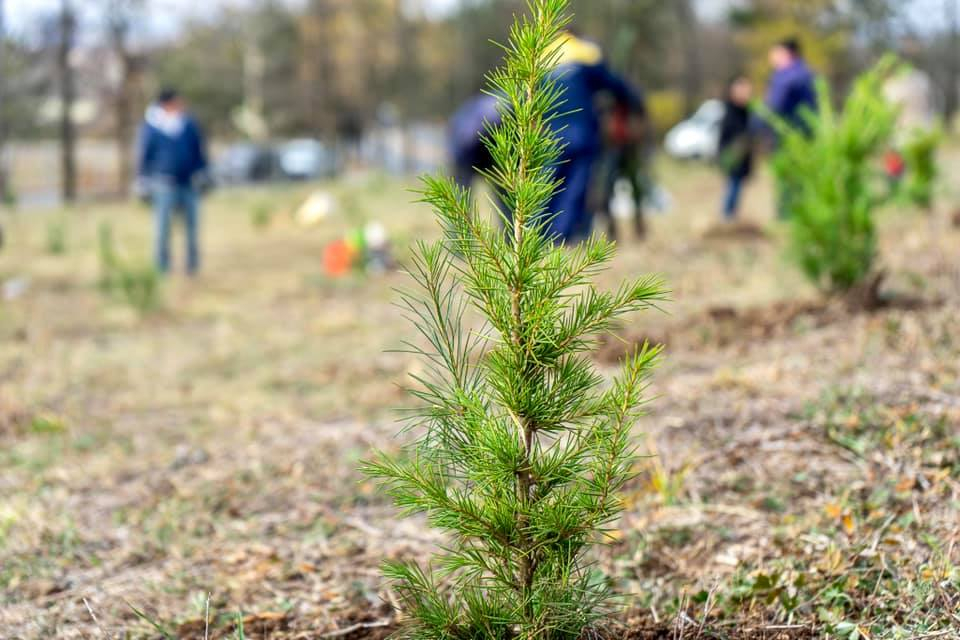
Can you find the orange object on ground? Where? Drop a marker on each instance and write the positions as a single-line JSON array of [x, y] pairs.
[[338, 257], [893, 164]]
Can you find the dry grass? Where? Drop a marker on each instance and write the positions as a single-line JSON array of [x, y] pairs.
[[203, 455]]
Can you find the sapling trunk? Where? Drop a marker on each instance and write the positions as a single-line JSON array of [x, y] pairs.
[[521, 447]]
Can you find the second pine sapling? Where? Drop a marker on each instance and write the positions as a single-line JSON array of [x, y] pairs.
[[827, 168]]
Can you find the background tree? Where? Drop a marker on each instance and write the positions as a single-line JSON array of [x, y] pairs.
[[206, 65], [821, 28], [119, 19], [688, 29], [950, 72], [68, 162], [4, 179]]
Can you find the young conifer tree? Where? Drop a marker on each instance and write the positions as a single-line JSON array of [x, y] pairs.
[[522, 446], [829, 168]]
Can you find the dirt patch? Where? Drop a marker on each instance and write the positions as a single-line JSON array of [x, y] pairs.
[[723, 326], [682, 626], [692, 630], [744, 231], [14, 419]]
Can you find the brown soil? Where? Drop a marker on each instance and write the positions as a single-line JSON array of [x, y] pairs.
[[740, 230], [723, 326]]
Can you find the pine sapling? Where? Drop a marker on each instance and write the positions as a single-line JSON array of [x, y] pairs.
[[828, 170], [520, 446], [136, 283]]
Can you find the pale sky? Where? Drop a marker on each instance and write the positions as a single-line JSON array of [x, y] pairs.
[[166, 15]]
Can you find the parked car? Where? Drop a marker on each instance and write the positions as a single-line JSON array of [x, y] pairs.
[[306, 159], [697, 137], [245, 162]]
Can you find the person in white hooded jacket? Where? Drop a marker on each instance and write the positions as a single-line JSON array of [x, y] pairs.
[[172, 161]]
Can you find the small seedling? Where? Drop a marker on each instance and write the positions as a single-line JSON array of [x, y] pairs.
[[260, 216], [136, 283], [165, 633], [522, 448], [668, 484], [57, 237]]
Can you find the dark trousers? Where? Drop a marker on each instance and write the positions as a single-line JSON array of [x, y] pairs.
[[731, 203]]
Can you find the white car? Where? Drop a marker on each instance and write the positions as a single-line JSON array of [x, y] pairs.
[[697, 137], [306, 159]]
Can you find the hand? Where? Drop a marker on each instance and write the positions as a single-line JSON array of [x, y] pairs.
[[142, 190], [203, 182]]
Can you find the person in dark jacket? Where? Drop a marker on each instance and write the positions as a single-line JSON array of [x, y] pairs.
[[581, 76], [172, 164], [736, 143], [466, 131], [791, 86], [792, 91], [626, 155]]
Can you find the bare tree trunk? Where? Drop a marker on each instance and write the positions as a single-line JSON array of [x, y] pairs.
[[123, 137], [119, 28], [67, 96], [952, 99], [4, 180], [693, 65]]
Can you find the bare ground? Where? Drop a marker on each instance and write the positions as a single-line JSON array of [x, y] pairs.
[[199, 463]]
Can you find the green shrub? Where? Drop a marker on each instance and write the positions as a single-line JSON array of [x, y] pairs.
[[521, 447], [920, 159], [136, 283], [828, 174], [260, 216], [665, 109], [57, 237]]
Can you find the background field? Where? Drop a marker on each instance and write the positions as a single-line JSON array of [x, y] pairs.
[[804, 468]]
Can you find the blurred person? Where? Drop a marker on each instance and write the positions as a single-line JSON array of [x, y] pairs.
[[172, 173], [736, 143], [467, 126], [581, 76], [626, 155], [792, 86], [469, 155], [791, 92]]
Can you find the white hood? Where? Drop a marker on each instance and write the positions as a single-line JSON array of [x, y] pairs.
[[171, 124]]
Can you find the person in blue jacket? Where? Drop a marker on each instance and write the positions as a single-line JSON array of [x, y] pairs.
[[792, 87], [581, 75], [172, 166], [791, 92], [466, 129]]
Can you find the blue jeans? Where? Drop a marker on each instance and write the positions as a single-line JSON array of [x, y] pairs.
[[169, 197], [731, 204]]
